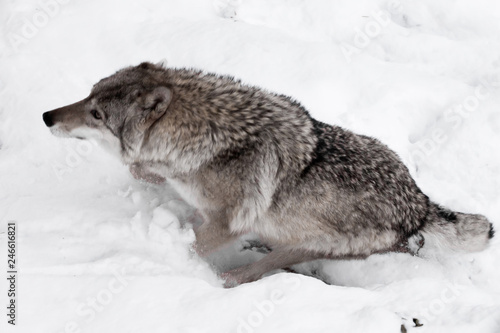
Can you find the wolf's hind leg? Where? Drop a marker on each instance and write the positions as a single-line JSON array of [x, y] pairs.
[[280, 257]]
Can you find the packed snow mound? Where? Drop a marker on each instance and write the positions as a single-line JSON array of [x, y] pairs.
[[101, 252]]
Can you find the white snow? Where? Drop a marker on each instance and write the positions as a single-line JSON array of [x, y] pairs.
[[101, 252]]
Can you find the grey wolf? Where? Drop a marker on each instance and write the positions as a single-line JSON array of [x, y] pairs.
[[254, 161]]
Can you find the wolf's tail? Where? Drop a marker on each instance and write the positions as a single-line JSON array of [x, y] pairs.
[[452, 231]]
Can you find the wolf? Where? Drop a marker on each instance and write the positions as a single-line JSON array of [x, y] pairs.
[[253, 161]]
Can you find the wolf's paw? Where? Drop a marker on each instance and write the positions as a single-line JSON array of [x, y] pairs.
[[230, 281], [197, 248], [139, 173], [256, 246], [154, 179], [240, 275]]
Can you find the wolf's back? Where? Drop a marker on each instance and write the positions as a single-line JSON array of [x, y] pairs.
[[446, 230]]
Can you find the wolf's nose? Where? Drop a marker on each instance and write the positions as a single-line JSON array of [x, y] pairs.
[[47, 119]]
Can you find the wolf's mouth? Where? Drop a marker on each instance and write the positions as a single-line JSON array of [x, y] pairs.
[[57, 131]]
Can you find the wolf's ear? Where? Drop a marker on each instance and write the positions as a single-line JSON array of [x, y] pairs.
[[154, 103], [162, 63], [157, 100]]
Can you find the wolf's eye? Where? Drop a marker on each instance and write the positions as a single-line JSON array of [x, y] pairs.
[[95, 114]]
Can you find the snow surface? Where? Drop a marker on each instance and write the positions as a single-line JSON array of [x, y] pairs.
[[101, 252]]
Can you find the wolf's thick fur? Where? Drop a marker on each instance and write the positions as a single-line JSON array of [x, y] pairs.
[[254, 161]]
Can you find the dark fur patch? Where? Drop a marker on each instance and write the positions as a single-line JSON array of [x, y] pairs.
[[491, 233], [446, 214]]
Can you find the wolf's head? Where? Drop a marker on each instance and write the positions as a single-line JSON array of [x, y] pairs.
[[119, 110]]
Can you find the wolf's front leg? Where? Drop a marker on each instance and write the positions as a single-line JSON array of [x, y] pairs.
[[213, 233], [141, 173], [280, 257]]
